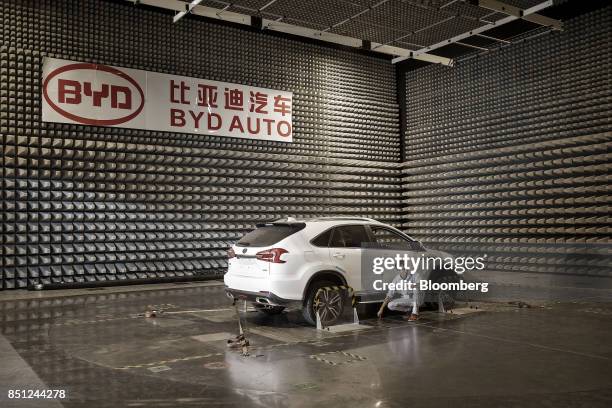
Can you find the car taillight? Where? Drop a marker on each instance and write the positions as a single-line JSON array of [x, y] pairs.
[[230, 253], [271, 255]]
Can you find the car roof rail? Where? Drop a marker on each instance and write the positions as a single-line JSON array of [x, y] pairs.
[[343, 219], [286, 219], [282, 221]]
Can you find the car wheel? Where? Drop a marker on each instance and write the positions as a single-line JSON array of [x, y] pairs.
[[269, 310], [331, 304]]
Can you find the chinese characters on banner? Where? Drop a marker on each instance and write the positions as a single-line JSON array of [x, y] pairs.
[[102, 95]]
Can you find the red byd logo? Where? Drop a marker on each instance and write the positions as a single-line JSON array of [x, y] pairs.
[[105, 98]]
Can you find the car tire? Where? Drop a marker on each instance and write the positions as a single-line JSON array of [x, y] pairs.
[[308, 310], [269, 310]]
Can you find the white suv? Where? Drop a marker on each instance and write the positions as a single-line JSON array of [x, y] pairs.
[[285, 262]]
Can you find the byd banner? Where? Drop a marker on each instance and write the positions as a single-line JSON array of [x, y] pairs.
[[102, 95]]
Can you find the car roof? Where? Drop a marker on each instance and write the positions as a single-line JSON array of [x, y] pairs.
[[323, 223]]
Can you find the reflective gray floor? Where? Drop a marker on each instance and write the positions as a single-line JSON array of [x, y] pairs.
[[94, 344]]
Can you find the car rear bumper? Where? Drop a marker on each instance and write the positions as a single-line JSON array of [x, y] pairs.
[[284, 289], [263, 298]]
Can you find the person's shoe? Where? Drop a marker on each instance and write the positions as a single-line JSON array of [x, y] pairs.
[[413, 317]]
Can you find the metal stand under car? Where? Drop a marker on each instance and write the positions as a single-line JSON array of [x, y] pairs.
[[340, 327]]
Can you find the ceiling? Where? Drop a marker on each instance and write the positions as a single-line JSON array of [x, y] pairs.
[[409, 24]]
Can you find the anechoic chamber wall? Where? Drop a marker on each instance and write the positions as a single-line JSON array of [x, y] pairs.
[[508, 154]]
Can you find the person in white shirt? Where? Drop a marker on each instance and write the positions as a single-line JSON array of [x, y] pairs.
[[408, 301]]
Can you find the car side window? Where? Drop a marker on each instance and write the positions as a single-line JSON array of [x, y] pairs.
[[349, 236], [322, 240], [388, 238]]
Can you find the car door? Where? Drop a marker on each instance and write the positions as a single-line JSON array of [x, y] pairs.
[[345, 249], [390, 243]]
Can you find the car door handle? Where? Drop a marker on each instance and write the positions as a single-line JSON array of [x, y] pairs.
[[338, 255]]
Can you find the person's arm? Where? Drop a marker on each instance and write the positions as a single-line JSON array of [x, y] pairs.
[[390, 295], [382, 307]]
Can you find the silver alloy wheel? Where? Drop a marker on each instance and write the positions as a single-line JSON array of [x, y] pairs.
[[330, 305]]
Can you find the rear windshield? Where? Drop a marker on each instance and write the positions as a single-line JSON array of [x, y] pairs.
[[269, 235]]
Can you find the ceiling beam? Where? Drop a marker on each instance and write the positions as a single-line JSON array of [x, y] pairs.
[[188, 8], [472, 46], [265, 6], [410, 34], [405, 54], [500, 7], [447, 4], [364, 11], [198, 10], [501, 40]]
